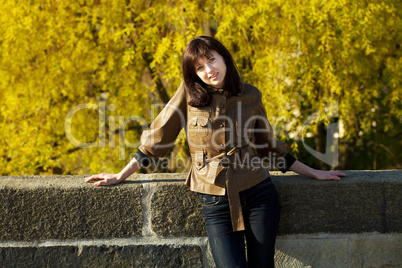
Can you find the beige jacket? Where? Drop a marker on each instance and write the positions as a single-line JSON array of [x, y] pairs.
[[229, 141]]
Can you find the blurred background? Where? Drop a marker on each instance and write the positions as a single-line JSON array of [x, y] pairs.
[[80, 80]]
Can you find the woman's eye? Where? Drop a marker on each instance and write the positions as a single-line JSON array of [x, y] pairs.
[[211, 59], [199, 68]]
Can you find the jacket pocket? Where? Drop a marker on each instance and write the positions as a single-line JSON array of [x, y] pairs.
[[199, 127]]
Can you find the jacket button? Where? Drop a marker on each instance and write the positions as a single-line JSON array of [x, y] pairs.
[[222, 145], [222, 125], [198, 164], [222, 106]]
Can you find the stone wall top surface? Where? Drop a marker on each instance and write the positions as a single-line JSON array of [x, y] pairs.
[[74, 181]]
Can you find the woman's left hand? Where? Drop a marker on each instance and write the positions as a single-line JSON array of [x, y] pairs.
[[321, 175], [324, 175]]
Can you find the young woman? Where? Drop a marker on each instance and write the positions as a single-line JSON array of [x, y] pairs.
[[230, 141]]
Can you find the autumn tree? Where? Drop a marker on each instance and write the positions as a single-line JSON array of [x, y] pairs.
[[80, 80]]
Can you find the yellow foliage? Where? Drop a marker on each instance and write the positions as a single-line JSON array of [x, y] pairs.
[[119, 58]]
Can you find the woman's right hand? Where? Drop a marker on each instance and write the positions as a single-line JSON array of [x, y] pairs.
[[104, 179], [109, 178]]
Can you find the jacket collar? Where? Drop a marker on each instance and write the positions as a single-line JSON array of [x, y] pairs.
[[225, 93]]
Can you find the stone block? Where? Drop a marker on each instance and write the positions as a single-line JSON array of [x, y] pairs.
[[64, 207], [176, 211], [365, 201], [310, 252], [18, 257], [393, 207], [141, 256], [376, 252]]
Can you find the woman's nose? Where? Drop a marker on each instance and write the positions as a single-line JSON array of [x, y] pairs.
[[209, 68]]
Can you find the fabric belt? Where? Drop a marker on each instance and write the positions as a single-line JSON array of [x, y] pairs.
[[232, 188]]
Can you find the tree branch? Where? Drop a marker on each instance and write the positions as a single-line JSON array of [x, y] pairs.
[[158, 83]]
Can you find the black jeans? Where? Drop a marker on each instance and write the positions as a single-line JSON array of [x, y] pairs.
[[261, 210]]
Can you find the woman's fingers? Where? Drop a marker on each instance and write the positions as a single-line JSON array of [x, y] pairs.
[[335, 178], [94, 177], [102, 179], [103, 182], [336, 175], [331, 175]]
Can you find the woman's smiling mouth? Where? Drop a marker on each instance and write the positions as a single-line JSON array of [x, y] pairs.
[[214, 76]]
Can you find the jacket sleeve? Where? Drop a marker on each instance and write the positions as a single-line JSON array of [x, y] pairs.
[[161, 135], [265, 143]]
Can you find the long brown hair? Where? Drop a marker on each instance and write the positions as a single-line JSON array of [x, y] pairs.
[[200, 93]]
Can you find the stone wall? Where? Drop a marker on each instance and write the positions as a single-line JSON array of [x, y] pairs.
[[155, 221]]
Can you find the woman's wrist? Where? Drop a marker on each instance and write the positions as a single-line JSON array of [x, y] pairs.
[[123, 175], [120, 177], [304, 170], [131, 167], [310, 172], [314, 173]]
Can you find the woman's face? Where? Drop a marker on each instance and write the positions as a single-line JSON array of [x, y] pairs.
[[212, 70]]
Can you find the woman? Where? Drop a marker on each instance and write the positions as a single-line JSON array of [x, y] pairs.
[[230, 140]]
